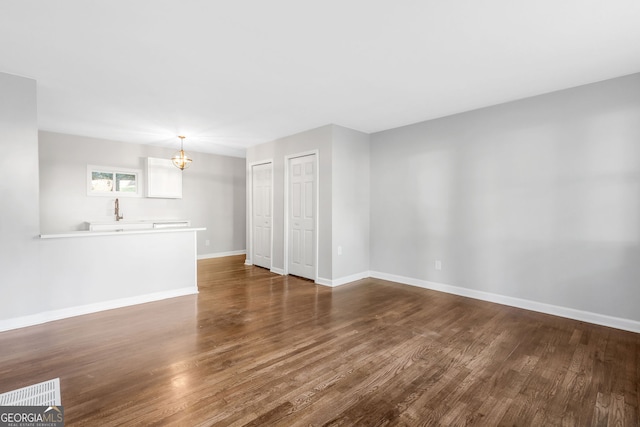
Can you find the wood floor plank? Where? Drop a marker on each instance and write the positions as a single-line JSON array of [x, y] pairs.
[[254, 348]]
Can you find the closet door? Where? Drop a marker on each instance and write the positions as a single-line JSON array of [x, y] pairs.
[[302, 216], [262, 214]]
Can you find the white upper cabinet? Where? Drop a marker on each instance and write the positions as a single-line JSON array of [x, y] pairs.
[[164, 180]]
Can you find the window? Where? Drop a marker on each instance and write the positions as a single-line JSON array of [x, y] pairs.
[[110, 181]]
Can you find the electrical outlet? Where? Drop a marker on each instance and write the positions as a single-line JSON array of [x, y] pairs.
[[339, 250], [207, 242], [438, 264]]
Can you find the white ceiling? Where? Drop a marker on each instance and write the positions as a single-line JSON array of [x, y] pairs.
[[231, 74]]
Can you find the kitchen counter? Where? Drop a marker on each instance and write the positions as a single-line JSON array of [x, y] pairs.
[[119, 232], [90, 271]]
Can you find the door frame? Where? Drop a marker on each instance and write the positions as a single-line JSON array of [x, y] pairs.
[[249, 260], [316, 219]]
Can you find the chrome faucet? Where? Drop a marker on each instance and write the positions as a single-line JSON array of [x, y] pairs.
[[118, 216]]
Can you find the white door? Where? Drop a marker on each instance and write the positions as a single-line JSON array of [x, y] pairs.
[[302, 216], [261, 220]]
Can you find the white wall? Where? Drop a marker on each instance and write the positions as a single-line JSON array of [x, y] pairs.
[[213, 190], [537, 199], [19, 250]]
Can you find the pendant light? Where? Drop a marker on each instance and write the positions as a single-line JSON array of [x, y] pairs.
[[181, 159]]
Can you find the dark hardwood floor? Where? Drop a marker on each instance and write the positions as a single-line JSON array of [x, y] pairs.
[[258, 349]]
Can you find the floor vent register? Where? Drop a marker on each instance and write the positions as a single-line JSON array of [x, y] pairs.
[[42, 394]]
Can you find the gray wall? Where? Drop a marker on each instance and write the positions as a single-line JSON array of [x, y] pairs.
[[213, 190], [19, 250], [344, 196], [536, 199], [315, 139], [350, 201]]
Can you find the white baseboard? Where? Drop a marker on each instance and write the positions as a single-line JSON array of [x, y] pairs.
[[50, 316], [275, 270], [585, 316], [222, 254], [324, 282], [343, 280], [571, 313]]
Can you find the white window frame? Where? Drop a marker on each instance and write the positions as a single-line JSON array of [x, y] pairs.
[[114, 170]]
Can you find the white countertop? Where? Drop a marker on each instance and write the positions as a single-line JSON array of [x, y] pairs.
[[115, 233], [138, 221]]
